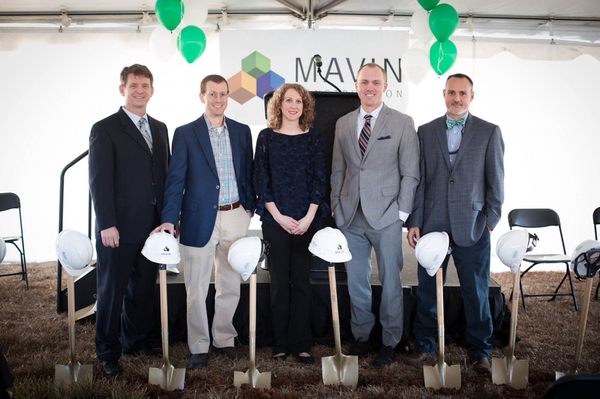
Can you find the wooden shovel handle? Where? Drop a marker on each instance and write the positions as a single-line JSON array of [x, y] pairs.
[[335, 317], [439, 294]]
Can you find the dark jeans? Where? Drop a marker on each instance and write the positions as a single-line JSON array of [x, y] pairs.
[[289, 267], [125, 289], [473, 269]]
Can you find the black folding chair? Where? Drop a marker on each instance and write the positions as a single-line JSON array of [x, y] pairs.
[[580, 386], [9, 201], [596, 223], [538, 219]]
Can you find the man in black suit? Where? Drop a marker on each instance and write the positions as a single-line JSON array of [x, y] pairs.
[[129, 155]]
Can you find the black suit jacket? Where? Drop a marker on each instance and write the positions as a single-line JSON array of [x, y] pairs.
[[126, 178]]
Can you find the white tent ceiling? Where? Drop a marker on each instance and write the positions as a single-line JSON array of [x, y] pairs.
[[572, 21]]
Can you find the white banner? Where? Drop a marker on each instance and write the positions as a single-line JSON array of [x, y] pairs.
[[256, 62]]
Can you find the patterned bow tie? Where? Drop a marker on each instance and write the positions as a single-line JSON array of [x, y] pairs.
[[450, 123]]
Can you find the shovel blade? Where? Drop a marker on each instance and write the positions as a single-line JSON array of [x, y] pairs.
[[167, 377], [255, 379], [443, 376], [340, 370], [66, 374], [501, 374]]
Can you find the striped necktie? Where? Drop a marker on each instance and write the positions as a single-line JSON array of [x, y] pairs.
[[365, 133], [145, 132]]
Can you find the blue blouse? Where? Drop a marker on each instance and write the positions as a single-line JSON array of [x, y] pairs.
[[289, 170]]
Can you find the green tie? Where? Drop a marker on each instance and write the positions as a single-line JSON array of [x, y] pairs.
[[450, 123]]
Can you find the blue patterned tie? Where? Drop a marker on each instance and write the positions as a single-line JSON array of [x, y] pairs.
[[365, 133], [450, 123], [145, 132]]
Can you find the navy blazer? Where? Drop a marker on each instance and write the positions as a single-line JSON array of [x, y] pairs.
[[192, 187], [126, 179]]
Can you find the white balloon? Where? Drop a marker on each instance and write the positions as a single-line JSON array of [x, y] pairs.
[[163, 43], [195, 12], [415, 64], [419, 23]]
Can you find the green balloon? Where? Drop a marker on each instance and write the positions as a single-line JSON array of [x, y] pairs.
[[442, 56], [428, 4], [191, 43], [169, 13], [443, 20]]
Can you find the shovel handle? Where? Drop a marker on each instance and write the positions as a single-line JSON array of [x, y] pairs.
[[583, 316], [252, 325], [71, 316], [335, 317], [439, 294], [164, 315], [514, 313]]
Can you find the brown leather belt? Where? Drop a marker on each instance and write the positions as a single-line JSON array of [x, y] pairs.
[[229, 207]]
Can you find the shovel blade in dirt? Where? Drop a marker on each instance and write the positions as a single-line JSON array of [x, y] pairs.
[[442, 376], [167, 377], [73, 373], [253, 378], [516, 374], [340, 369]]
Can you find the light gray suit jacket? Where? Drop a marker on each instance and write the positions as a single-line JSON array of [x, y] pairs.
[[385, 179], [461, 199]]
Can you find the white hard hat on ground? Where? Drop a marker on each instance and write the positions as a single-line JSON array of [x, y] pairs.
[[162, 248], [431, 250], [245, 254], [584, 261], [2, 249], [74, 251], [330, 245]]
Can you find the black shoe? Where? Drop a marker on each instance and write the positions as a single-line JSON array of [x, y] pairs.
[[197, 361], [384, 357], [228, 351], [305, 359], [145, 351], [111, 368], [417, 358], [482, 366], [280, 356], [360, 348]]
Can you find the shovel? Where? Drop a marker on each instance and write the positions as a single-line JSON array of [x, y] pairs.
[[74, 372], [587, 294], [509, 370], [167, 376], [339, 368], [252, 377], [441, 375]]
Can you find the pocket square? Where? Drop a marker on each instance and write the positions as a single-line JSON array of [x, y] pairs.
[[384, 137]]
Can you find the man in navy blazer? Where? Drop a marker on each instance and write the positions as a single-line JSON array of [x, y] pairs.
[[127, 170], [461, 192], [209, 193]]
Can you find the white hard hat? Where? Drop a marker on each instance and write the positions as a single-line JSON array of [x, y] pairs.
[[330, 245], [74, 251], [245, 254], [431, 250], [580, 262], [2, 249], [511, 248], [162, 248]]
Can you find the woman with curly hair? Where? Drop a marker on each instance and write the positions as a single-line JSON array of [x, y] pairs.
[[290, 181]]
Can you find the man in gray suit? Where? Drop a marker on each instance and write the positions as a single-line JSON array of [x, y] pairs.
[[461, 192], [374, 176]]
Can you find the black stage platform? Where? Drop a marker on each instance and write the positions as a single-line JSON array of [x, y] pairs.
[[321, 310]]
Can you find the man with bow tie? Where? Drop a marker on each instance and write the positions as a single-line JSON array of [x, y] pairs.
[[461, 192]]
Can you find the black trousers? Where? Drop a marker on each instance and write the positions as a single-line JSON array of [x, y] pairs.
[[289, 267], [125, 289]]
